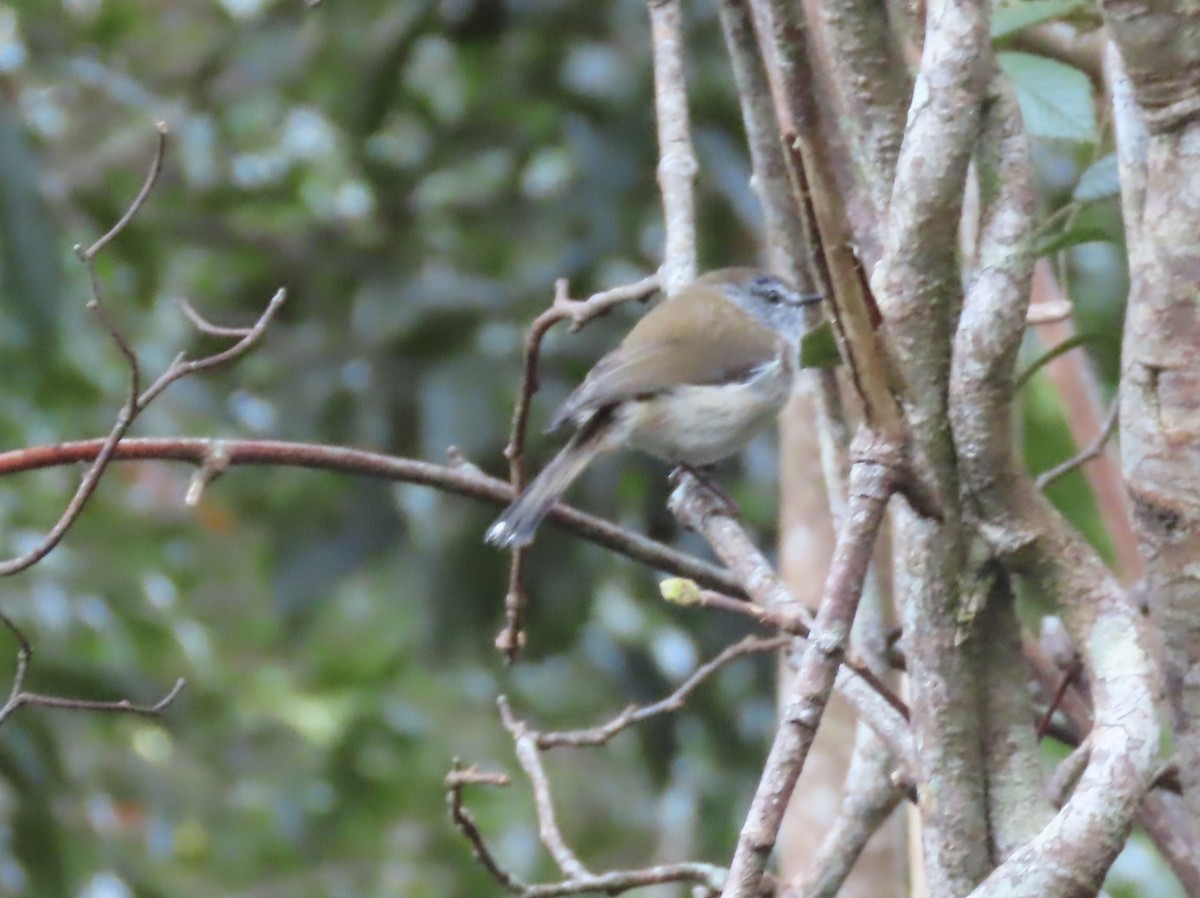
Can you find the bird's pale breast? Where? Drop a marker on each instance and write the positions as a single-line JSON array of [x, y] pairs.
[[699, 425]]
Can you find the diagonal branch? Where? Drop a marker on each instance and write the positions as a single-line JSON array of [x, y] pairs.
[[870, 796], [873, 479], [635, 714], [1092, 450], [525, 743]]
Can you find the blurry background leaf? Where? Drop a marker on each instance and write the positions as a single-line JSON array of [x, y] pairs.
[[30, 272]]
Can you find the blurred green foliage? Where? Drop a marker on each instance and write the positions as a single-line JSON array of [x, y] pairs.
[[416, 174]]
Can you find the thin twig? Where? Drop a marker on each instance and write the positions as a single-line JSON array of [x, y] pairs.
[[89, 254], [580, 880], [1068, 677], [134, 405], [511, 638], [456, 780], [213, 467], [703, 598], [1093, 449], [182, 366], [706, 877], [91, 478], [204, 326], [525, 743], [19, 698], [121, 705], [136, 401], [635, 714]]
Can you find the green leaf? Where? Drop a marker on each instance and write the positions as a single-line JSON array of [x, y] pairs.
[[1099, 181], [1073, 237], [1014, 15], [1064, 347], [1056, 99], [818, 348]]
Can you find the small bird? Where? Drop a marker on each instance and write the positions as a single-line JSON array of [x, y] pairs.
[[691, 383]]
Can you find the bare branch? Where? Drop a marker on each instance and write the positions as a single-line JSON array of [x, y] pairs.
[[463, 480], [204, 326], [1070, 854], [182, 366], [695, 509], [1160, 370], [873, 479], [796, 627], [635, 714], [918, 286], [1092, 450], [89, 254], [677, 160], [580, 880], [456, 780], [525, 742], [511, 638], [134, 403], [133, 407], [18, 697]]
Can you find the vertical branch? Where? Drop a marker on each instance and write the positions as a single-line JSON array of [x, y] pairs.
[[677, 160], [873, 88], [918, 286], [1071, 854], [1160, 368], [1017, 809]]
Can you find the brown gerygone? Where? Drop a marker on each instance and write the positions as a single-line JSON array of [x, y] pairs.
[[695, 379]]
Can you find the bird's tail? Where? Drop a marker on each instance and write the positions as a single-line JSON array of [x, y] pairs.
[[519, 522]]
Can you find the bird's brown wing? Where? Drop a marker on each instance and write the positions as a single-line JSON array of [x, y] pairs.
[[666, 349]]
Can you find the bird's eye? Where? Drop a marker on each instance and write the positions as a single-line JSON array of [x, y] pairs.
[[774, 296]]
